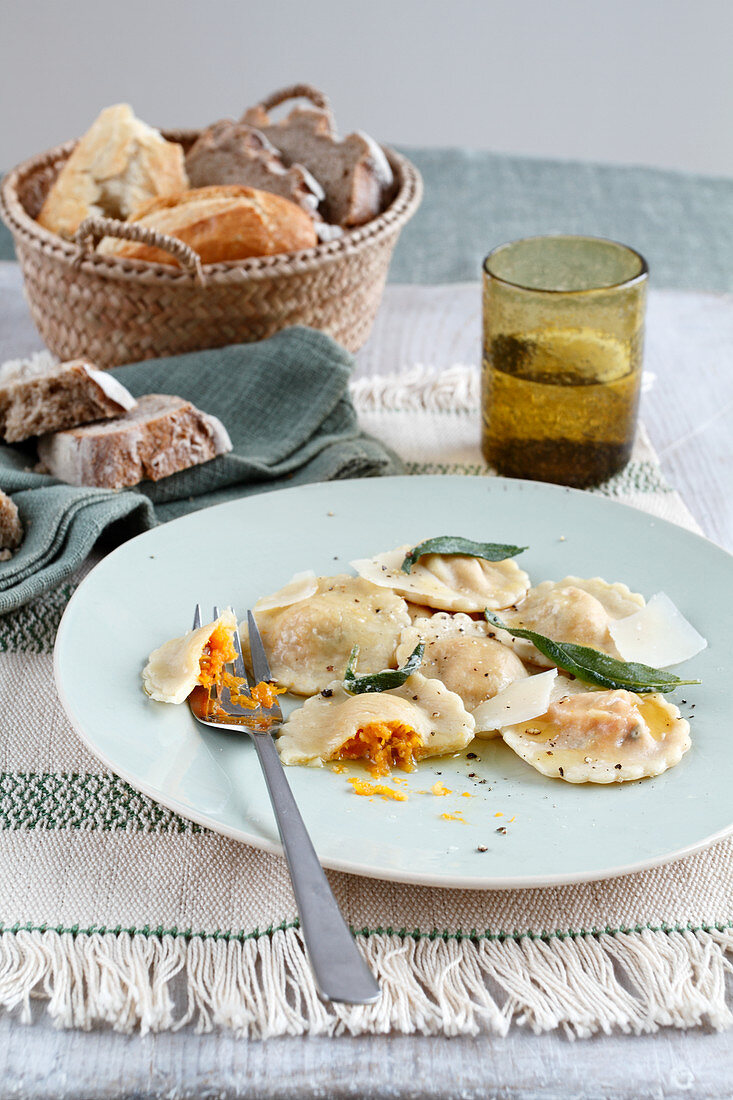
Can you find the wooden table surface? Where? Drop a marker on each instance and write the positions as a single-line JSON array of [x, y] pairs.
[[690, 422], [37, 1062]]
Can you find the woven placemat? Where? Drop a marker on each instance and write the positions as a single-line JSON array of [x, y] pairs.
[[111, 905]]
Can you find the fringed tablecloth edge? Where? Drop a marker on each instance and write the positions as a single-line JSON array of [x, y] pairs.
[[262, 986]]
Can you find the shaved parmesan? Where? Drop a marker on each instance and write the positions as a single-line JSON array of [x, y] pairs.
[[384, 570], [299, 588], [519, 702], [658, 635]]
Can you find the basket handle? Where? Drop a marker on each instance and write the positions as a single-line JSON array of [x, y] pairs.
[[92, 230], [296, 91]]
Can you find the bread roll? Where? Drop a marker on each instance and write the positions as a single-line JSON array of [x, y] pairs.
[[161, 435], [221, 224], [119, 163]]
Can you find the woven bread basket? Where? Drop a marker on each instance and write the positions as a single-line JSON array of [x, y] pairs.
[[114, 310]]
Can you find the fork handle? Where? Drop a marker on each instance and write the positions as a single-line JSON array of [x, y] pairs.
[[340, 971]]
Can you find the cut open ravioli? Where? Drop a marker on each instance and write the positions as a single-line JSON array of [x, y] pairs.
[[198, 657], [459, 653], [601, 736], [396, 727], [571, 610], [449, 582], [308, 641]]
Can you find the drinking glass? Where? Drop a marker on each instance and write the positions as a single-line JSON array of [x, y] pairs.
[[563, 329]]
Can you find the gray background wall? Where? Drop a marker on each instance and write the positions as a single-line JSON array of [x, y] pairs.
[[625, 81]]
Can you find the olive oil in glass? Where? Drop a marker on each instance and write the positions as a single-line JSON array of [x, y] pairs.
[[562, 358]]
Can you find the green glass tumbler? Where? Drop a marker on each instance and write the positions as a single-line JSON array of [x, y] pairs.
[[563, 335]]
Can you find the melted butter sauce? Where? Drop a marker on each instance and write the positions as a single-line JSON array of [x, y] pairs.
[[657, 718], [540, 731]]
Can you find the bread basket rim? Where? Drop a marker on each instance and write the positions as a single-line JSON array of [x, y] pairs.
[[21, 224]]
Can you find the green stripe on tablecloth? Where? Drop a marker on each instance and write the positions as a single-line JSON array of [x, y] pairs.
[[472, 934], [49, 800], [637, 477], [32, 629]]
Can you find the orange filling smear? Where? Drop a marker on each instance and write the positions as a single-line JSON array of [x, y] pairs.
[[218, 651], [440, 788], [384, 744], [261, 695], [361, 786], [264, 693], [457, 816]]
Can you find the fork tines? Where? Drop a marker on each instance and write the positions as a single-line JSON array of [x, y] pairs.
[[260, 670], [260, 664]]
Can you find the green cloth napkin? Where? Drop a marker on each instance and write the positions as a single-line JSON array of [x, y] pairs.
[[286, 406]]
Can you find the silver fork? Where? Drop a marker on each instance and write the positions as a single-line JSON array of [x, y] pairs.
[[340, 971]]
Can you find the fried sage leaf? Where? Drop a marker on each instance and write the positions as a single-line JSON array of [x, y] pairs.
[[381, 681], [454, 544], [594, 667]]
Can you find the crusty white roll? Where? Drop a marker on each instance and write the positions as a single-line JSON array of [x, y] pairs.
[[119, 163], [221, 224]]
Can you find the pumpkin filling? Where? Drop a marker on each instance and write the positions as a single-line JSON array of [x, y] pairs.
[[384, 744], [218, 651], [362, 787], [261, 695]]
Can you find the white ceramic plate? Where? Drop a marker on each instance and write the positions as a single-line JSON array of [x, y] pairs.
[[145, 591]]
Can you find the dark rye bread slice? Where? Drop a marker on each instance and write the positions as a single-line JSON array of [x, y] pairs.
[[354, 172], [37, 397], [162, 435], [11, 529], [232, 153]]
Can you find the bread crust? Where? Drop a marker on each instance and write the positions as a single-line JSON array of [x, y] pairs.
[[354, 172], [11, 529], [222, 224], [162, 435], [118, 163], [33, 403], [231, 152]]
